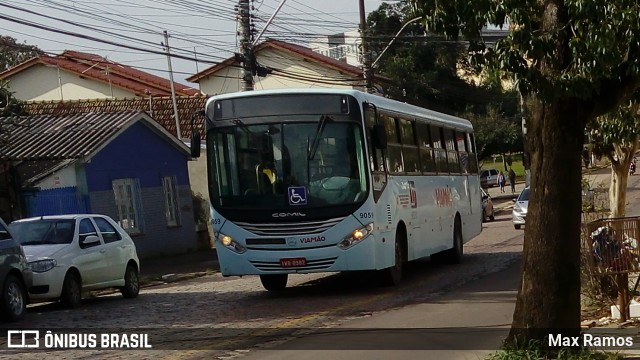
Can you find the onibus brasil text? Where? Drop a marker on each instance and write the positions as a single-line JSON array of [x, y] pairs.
[[51, 340]]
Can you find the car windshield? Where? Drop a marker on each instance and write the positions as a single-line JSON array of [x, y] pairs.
[[282, 165], [44, 232], [524, 195]]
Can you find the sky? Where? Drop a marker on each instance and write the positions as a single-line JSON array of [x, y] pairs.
[[202, 30]]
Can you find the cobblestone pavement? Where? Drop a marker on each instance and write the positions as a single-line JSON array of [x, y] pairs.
[[216, 317]]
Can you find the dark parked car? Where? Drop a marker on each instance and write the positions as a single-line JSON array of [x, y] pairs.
[[15, 276]]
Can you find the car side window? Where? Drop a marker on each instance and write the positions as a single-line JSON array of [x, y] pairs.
[[86, 229], [4, 233], [109, 233]]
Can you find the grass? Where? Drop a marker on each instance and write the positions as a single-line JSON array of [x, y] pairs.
[[534, 351], [517, 165]]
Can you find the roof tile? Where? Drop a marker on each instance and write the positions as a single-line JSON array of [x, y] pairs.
[[101, 69], [159, 108]]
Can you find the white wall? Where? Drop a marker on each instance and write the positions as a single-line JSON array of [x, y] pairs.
[[198, 175], [41, 82], [317, 76], [62, 178], [224, 81]]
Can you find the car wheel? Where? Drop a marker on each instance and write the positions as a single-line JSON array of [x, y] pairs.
[[454, 255], [131, 283], [14, 298], [71, 291], [274, 282], [517, 227]]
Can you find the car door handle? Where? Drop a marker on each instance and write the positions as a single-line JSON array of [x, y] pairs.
[[103, 251]]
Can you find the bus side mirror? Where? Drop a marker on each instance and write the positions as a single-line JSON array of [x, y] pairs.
[[379, 137], [195, 144]]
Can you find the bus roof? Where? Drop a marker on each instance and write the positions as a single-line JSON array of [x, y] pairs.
[[379, 101]]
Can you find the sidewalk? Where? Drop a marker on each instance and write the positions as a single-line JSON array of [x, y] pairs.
[[159, 270]]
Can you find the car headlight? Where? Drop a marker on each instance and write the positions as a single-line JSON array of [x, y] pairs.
[[356, 236], [228, 242], [44, 265]]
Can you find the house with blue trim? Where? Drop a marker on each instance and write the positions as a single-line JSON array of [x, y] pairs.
[[121, 164]]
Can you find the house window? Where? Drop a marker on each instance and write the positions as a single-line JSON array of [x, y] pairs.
[[127, 194], [170, 200]]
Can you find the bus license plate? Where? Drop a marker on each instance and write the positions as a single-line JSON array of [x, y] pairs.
[[293, 262]]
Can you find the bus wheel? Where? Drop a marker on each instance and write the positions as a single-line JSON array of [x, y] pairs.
[[275, 282], [454, 255], [392, 276]]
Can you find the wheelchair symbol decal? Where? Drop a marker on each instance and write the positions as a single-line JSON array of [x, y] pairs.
[[297, 195]]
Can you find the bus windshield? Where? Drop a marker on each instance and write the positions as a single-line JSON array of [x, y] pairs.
[[286, 165]]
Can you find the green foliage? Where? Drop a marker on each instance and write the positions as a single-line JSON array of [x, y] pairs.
[[553, 49], [9, 105], [423, 70], [494, 133], [619, 128], [13, 53]]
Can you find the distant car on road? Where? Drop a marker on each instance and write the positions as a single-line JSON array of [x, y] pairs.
[[488, 178], [487, 207], [73, 254], [15, 276], [519, 212]]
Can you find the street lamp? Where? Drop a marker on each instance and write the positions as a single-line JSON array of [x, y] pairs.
[[394, 38]]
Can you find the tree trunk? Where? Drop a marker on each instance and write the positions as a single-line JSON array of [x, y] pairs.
[[624, 154], [549, 294], [618, 188]]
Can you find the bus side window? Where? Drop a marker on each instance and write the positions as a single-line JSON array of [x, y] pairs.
[[452, 154], [463, 151], [376, 157], [394, 148], [473, 159], [427, 161], [410, 154], [439, 150]]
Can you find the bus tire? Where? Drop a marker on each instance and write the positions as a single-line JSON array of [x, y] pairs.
[[393, 275], [274, 282], [454, 255]]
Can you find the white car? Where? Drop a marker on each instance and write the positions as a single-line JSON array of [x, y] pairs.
[[519, 213], [489, 178], [72, 254]]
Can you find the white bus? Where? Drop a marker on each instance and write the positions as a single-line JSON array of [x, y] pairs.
[[318, 180]]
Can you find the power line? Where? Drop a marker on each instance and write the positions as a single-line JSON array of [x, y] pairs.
[[91, 38]]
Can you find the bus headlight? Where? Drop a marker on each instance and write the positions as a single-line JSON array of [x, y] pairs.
[[356, 236], [228, 242]]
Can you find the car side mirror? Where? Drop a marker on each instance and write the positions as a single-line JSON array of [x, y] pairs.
[[485, 197], [514, 200], [379, 137], [91, 240]]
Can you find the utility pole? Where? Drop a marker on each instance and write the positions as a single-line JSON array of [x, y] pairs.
[[246, 49], [367, 71], [173, 89]]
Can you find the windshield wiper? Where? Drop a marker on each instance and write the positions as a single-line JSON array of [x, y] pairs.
[[242, 126], [317, 137]]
